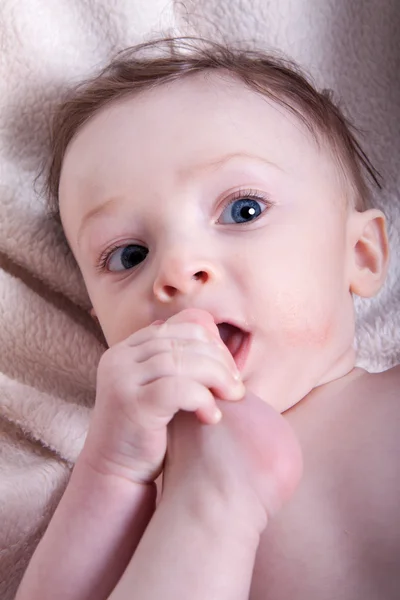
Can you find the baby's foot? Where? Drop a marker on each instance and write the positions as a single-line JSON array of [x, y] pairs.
[[251, 457]]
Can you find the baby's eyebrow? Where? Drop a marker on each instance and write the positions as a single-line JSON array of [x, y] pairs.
[[220, 162], [107, 206], [94, 213]]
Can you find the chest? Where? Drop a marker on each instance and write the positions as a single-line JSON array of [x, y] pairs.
[[337, 538], [325, 569]]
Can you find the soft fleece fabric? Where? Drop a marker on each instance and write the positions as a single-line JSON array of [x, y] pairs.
[[49, 347]]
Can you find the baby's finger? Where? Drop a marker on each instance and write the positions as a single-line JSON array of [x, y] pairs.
[[212, 374], [196, 315], [160, 400], [209, 415], [185, 330], [157, 346]]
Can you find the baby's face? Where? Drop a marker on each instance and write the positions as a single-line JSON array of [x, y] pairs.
[[209, 196]]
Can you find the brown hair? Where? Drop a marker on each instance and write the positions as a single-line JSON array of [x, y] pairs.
[[163, 60]]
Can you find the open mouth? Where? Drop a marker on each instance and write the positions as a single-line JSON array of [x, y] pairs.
[[236, 340]]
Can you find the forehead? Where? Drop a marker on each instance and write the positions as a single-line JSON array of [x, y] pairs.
[[168, 132]]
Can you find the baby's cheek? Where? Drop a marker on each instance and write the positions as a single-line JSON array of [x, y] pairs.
[[304, 323], [315, 335]]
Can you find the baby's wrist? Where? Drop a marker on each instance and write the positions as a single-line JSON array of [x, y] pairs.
[[96, 468], [107, 459]]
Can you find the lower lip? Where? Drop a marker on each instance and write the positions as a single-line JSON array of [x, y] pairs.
[[244, 349]]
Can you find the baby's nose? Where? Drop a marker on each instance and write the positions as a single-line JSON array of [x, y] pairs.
[[182, 277]]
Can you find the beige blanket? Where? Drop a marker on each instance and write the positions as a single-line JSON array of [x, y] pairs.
[[49, 346]]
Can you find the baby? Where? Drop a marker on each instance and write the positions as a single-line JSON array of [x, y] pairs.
[[217, 207]]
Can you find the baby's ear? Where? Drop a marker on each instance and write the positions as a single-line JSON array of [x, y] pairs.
[[369, 252]]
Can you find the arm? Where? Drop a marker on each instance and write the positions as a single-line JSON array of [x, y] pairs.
[[196, 545], [91, 538], [219, 486], [111, 496]]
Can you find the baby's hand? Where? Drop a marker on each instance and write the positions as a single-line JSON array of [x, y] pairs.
[[251, 461], [145, 380]]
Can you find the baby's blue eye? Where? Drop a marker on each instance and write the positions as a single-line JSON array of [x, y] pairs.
[[242, 210], [127, 256]]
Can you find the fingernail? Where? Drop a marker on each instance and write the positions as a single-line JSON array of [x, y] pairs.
[[158, 322], [217, 416], [239, 391], [236, 374]]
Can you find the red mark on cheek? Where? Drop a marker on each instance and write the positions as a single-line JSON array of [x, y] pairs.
[[303, 324], [307, 332]]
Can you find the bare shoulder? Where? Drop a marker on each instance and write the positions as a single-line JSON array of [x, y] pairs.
[[375, 411], [341, 530], [376, 426], [387, 381], [354, 436], [380, 394]]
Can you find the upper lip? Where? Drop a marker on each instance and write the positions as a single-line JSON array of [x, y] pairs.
[[236, 323], [218, 319]]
